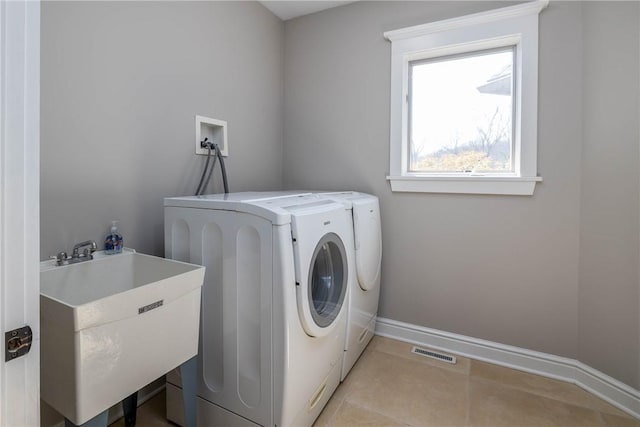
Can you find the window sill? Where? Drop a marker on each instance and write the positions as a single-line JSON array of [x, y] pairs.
[[513, 186]]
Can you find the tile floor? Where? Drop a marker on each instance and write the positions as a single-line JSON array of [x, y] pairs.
[[389, 386]]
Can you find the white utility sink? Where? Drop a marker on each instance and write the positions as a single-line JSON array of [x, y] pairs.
[[112, 325]]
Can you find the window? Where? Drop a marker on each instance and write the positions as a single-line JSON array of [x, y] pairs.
[[461, 113], [464, 103]]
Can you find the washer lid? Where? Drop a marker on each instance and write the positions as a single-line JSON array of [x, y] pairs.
[[368, 242], [276, 207]]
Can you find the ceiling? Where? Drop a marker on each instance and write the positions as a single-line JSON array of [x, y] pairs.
[[292, 9]]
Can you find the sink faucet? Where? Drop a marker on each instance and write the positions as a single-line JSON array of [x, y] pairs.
[[88, 252], [87, 255]]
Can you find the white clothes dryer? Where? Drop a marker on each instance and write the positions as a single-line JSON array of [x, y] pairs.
[[273, 323], [365, 261]]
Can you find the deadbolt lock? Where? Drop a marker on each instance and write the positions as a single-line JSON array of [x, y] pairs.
[[17, 343]]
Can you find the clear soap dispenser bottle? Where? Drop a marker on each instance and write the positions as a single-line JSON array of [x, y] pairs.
[[113, 241]]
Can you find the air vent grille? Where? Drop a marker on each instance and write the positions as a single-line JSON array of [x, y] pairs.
[[434, 355]]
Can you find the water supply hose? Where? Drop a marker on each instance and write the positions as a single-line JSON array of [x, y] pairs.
[[217, 155], [206, 166], [213, 166], [223, 169]]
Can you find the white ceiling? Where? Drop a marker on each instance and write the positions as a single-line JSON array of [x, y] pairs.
[[292, 9]]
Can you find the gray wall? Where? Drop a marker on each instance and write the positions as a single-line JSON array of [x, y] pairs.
[[121, 84], [502, 268], [608, 300]]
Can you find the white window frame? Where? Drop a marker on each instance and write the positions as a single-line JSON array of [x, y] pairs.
[[510, 26]]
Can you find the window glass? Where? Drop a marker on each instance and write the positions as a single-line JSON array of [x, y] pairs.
[[461, 113]]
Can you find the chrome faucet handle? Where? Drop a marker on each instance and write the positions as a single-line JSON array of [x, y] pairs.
[[60, 258]]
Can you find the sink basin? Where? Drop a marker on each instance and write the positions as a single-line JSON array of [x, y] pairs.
[[112, 325]]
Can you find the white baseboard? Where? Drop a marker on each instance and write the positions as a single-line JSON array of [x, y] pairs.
[[573, 371]]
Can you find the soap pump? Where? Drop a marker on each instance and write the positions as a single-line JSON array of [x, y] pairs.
[[113, 241]]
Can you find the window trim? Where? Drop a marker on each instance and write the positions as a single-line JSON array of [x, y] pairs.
[[510, 26]]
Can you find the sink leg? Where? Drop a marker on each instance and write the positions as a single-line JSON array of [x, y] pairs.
[[189, 374], [100, 420], [129, 406]]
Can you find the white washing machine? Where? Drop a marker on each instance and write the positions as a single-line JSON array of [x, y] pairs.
[[364, 276], [273, 323]]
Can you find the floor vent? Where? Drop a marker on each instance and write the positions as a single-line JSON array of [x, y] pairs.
[[433, 355]]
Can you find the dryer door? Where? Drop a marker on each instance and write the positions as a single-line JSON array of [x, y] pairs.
[[368, 243], [322, 296]]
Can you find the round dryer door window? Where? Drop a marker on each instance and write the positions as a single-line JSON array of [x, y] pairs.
[[327, 284]]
